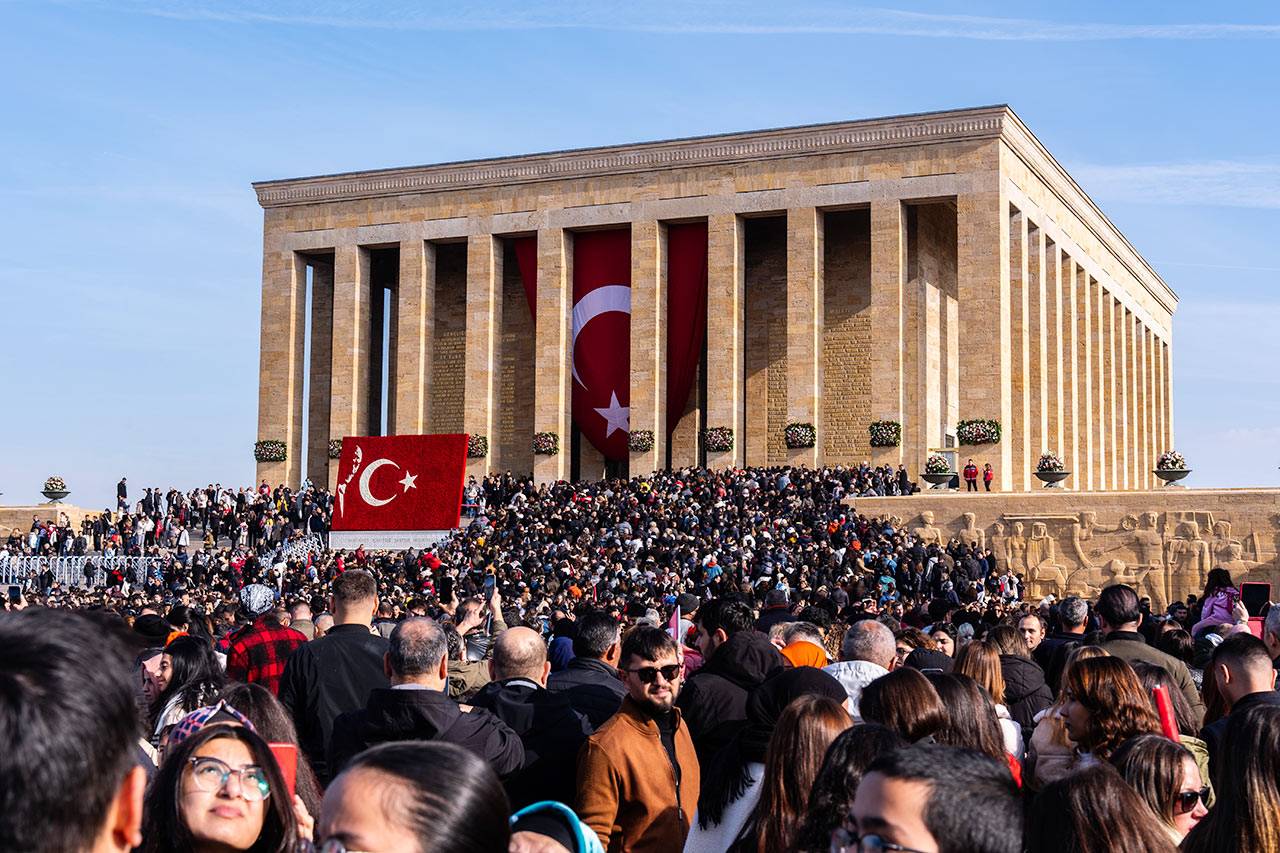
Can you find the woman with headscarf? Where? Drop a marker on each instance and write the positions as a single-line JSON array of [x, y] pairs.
[[731, 783]]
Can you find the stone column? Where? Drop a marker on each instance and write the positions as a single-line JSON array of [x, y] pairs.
[[888, 310], [349, 401], [726, 318], [982, 289], [1169, 439], [1101, 438], [804, 327], [1115, 409], [552, 400], [281, 361], [1124, 327], [1071, 356], [1039, 338], [1083, 380], [1018, 431], [1144, 400], [483, 347], [318, 461], [649, 343], [416, 310], [1053, 351], [1157, 349]]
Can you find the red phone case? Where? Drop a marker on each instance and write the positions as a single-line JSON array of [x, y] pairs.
[[286, 755]]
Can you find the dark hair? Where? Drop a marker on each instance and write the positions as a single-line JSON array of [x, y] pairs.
[[453, 801], [727, 614], [1246, 814], [906, 702], [971, 716], [597, 631], [354, 586], [1091, 810], [273, 723], [1218, 579], [972, 805], [1118, 605], [1151, 674], [1152, 765], [1178, 643], [416, 646], [165, 829], [804, 732], [846, 760], [1242, 651], [196, 675], [648, 643], [68, 729], [1118, 706], [1009, 640]]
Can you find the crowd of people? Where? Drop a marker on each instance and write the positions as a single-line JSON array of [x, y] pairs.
[[697, 660]]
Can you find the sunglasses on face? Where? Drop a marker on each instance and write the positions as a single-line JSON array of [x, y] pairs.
[[1185, 801], [212, 774], [649, 674]]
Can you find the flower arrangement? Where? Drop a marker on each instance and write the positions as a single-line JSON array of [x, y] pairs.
[[937, 464], [978, 431], [640, 441], [718, 439], [546, 443], [270, 450], [1171, 460], [477, 446], [799, 435], [1050, 462], [335, 448], [55, 484], [885, 433]]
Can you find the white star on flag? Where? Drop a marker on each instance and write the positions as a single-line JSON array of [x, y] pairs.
[[618, 417], [409, 482]]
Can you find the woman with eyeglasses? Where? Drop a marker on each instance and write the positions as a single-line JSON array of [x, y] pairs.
[[1166, 777], [219, 791]]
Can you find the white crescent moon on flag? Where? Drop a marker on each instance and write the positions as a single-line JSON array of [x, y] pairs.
[[602, 300], [364, 482]]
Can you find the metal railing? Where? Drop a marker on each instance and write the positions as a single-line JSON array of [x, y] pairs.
[[76, 571]]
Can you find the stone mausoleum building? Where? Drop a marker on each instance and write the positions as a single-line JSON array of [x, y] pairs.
[[924, 269]]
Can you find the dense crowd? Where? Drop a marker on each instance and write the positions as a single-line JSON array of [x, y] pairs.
[[698, 660]]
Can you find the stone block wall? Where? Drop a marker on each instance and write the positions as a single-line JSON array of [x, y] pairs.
[[766, 339], [513, 420], [846, 338], [448, 370]]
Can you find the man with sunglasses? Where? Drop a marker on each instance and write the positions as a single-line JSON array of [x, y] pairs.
[[638, 775]]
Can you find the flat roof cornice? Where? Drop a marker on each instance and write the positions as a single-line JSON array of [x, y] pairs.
[[836, 137]]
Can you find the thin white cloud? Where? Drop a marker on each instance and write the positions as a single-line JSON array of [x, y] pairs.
[[708, 16], [1219, 182]]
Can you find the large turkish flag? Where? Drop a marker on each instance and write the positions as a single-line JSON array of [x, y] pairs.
[[400, 482], [601, 349]]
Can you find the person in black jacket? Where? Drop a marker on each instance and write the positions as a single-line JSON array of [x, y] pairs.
[[550, 729], [334, 674], [1242, 671], [591, 681], [1025, 691], [738, 660], [416, 707]]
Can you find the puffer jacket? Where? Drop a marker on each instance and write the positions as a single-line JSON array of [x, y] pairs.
[[1026, 693], [714, 699], [853, 676]]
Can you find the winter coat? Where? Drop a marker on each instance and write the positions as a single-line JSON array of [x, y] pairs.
[[593, 687], [1025, 692], [714, 699], [853, 676]]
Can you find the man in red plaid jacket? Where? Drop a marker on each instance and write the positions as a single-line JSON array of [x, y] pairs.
[[258, 651]]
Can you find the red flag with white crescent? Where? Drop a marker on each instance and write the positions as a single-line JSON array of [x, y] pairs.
[[400, 482], [601, 349]]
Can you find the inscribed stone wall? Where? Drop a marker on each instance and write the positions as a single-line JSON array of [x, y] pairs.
[[684, 438], [513, 420], [766, 339], [1162, 542], [846, 337], [448, 373]]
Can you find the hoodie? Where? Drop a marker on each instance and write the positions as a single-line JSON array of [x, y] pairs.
[[853, 676], [714, 699], [415, 713], [1026, 693]]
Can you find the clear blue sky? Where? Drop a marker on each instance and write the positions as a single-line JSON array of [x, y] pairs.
[[130, 256]]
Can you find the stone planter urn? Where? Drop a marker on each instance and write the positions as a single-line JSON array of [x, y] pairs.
[[1172, 475], [938, 480], [1052, 479], [55, 495]]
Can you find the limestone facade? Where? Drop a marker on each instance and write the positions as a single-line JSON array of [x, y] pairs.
[[924, 269], [1162, 542]]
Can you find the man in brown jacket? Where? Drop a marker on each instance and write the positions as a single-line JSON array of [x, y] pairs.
[[638, 774]]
